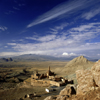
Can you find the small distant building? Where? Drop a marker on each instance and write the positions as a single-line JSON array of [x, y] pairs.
[[36, 75], [42, 76], [47, 79]]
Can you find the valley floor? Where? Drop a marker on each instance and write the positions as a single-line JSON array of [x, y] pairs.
[[13, 73]]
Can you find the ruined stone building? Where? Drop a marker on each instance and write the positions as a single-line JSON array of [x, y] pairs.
[[47, 79]]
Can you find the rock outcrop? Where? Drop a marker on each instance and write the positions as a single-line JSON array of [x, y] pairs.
[[85, 81], [88, 79], [88, 87], [63, 97], [68, 90], [96, 73], [49, 98]]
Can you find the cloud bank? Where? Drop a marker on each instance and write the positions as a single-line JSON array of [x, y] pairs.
[[73, 41]]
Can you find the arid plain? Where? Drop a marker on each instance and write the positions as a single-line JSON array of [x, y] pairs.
[[14, 73]]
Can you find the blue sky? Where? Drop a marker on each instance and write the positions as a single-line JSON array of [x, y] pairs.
[[50, 27]]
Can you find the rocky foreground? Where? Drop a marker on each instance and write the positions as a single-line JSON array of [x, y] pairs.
[[88, 87]]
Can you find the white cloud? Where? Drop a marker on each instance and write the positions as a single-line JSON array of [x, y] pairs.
[[12, 44], [51, 37], [72, 54], [65, 54], [61, 27], [72, 41], [78, 50], [9, 54], [47, 38], [3, 28], [18, 53], [64, 8], [90, 46], [43, 38], [91, 13], [56, 29], [69, 54], [85, 32], [87, 27]]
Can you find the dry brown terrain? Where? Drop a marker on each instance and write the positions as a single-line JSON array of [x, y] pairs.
[[75, 64], [23, 71], [8, 89]]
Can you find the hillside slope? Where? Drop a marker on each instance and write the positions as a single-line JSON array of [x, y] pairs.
[[78, 60], [75, 64]]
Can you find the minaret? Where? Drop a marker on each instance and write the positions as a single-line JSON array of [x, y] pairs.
[[49, 68], [48, 73]]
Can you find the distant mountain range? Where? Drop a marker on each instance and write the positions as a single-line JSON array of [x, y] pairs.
[[34, 57], [5, 59]]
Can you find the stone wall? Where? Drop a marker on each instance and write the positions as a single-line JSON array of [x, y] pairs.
[[40, 82], [55, 83], [35, 82]]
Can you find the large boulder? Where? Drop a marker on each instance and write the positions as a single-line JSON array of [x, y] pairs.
[[68, 90], [96, 72], [49, 98], [62, 97], [85, 81]]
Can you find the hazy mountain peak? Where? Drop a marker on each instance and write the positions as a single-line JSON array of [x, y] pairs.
[[78, 60]]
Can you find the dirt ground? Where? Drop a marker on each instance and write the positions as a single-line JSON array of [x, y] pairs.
[[17, 93], [8, 89]]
